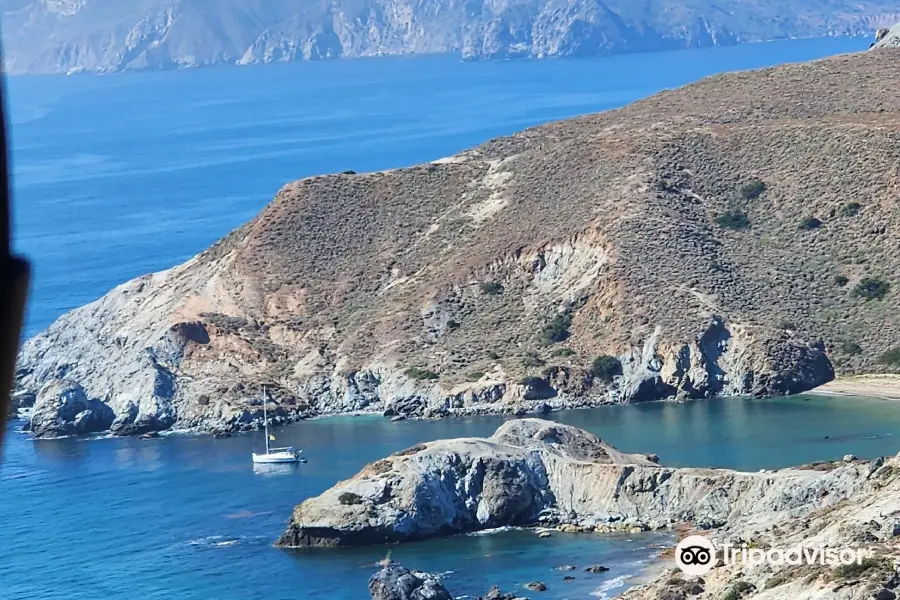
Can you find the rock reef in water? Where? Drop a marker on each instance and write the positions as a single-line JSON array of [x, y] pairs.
[[394, 582], [534, 471], [692, 244]]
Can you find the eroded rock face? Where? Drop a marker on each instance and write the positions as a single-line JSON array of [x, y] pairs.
[[63, 408], [534, 471]]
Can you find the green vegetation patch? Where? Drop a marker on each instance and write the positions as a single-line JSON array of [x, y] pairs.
[[349, 499], [491, 288], [891, 357], [606, 368], [737, 590], [419, 374], [557, 330], [872, 288], [851, 210], [733, 219], [532, 360], [810, 223], [857, 569], [562, 352], [840, 280], [753, 189], [774, 582], [851, 348]]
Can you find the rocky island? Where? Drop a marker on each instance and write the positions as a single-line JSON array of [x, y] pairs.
[[101, 36], [738, 236], [540, 472]]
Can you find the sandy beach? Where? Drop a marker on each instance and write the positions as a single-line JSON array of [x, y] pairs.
[[879, 386]]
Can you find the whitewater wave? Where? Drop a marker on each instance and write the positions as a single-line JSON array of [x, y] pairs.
[[496, 530], [609, 585], [177, 432], [226, 541], [106, 435], [214, 541]]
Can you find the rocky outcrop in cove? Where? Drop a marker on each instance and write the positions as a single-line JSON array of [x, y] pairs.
[[533, 471], [564, 477], [394, 582]]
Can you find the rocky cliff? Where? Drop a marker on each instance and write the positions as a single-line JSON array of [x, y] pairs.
[[737, 236], [48, 36], [539, 472]]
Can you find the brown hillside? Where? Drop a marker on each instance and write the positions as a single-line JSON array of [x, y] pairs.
[[619, 221], [634, 195]]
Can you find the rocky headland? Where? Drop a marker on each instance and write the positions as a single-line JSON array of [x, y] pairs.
[[738, 236], [534, 472], [101, 36]]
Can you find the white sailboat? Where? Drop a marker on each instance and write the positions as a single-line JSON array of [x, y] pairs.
[[274, 455]]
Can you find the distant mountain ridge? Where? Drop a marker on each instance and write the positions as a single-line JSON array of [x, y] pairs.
[[58, 36]]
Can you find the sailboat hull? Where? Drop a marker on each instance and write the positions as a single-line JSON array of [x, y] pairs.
[[272, 456], [276, 457]]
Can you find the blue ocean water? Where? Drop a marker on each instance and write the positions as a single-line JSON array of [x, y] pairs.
[[123, 175], [190, 517]]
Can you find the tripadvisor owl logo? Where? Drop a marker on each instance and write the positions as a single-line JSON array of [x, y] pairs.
[[695, 555]]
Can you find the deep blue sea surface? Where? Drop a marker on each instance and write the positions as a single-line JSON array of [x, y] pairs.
[[122, 175]]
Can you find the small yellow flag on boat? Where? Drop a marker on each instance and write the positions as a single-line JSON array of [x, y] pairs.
[[272, 437]]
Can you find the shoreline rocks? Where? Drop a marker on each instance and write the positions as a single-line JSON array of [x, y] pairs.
[[707, 368]]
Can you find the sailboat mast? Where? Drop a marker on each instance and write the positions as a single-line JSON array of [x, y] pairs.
[[265, 419]]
